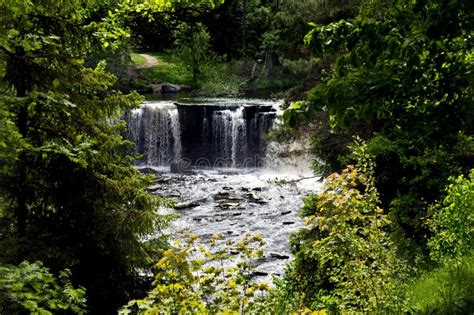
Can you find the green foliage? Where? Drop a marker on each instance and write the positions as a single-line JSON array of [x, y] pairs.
[[168, 70], [448, 289], [403, 81], [69, 195], [32, 288], [218, 78], [344, 259], [192, 46], [453, 220], [201, 278]]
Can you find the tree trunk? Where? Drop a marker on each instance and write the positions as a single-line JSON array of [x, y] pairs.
[[22, 211], [244, 28], [18, 73]]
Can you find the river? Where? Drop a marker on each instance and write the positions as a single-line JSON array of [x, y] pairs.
[[212, 159]]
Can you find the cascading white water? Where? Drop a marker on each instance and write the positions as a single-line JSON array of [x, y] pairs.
[[239, 140], [206, 135], [176, 131], [133, 122], [230, 134], [156, 131]]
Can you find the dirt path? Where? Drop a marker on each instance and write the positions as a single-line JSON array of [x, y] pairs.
[[150, 62]]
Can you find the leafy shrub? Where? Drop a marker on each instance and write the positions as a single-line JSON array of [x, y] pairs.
[[31, 288], [345, 261], [453, 220], [197, 278]]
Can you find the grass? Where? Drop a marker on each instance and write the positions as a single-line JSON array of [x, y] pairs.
[[168, 70], [137, 59], [446, 290], [218, 78]]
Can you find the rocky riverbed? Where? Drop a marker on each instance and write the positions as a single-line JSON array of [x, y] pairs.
[[234, 202]]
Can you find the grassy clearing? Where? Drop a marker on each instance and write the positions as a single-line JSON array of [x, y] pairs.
[[217, 78], [446, 290], [137, 59], [168, 70]]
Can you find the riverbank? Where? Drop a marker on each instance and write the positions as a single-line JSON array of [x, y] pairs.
[[217, 77]]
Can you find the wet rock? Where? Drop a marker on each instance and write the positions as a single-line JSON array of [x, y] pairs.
[[257, 189], [285, 212], [288, 223], [164, 180], [258, 273], [181, 167], [236, 214], [186, 205], [278, 256], [244, 189], [227, 188], [228, 205], [252, 197], [189, 204], [226, 196], [154, 188], [148, 170], [223, 195]]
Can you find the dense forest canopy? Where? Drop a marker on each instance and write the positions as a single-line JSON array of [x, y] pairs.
[[385, 97]]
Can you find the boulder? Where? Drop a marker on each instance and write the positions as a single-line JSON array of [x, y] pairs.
[[168, 88], [278, 256], [258, 273], [225, 195], [148, 170], [154, 188], [252, 197], [228, 205], [189, 204]]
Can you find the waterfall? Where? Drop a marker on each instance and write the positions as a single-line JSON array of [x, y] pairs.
[[207, 135], [156, 131], [176, 131], [239, 139], [229, 134]]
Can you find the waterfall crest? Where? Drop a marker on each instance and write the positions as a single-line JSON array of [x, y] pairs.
[[206, 135]]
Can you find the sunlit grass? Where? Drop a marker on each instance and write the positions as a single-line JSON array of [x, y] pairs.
[[137, 59], [168, 70], [446, 290]]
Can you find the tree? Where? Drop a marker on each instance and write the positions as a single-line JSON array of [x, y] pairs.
[[344, 259], [70, 197], [192, 46], [403, 81], [453, 221]]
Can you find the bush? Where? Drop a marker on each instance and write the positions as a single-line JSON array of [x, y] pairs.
[[197, 278], [31, 289], [344, 259], [453, 220]]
